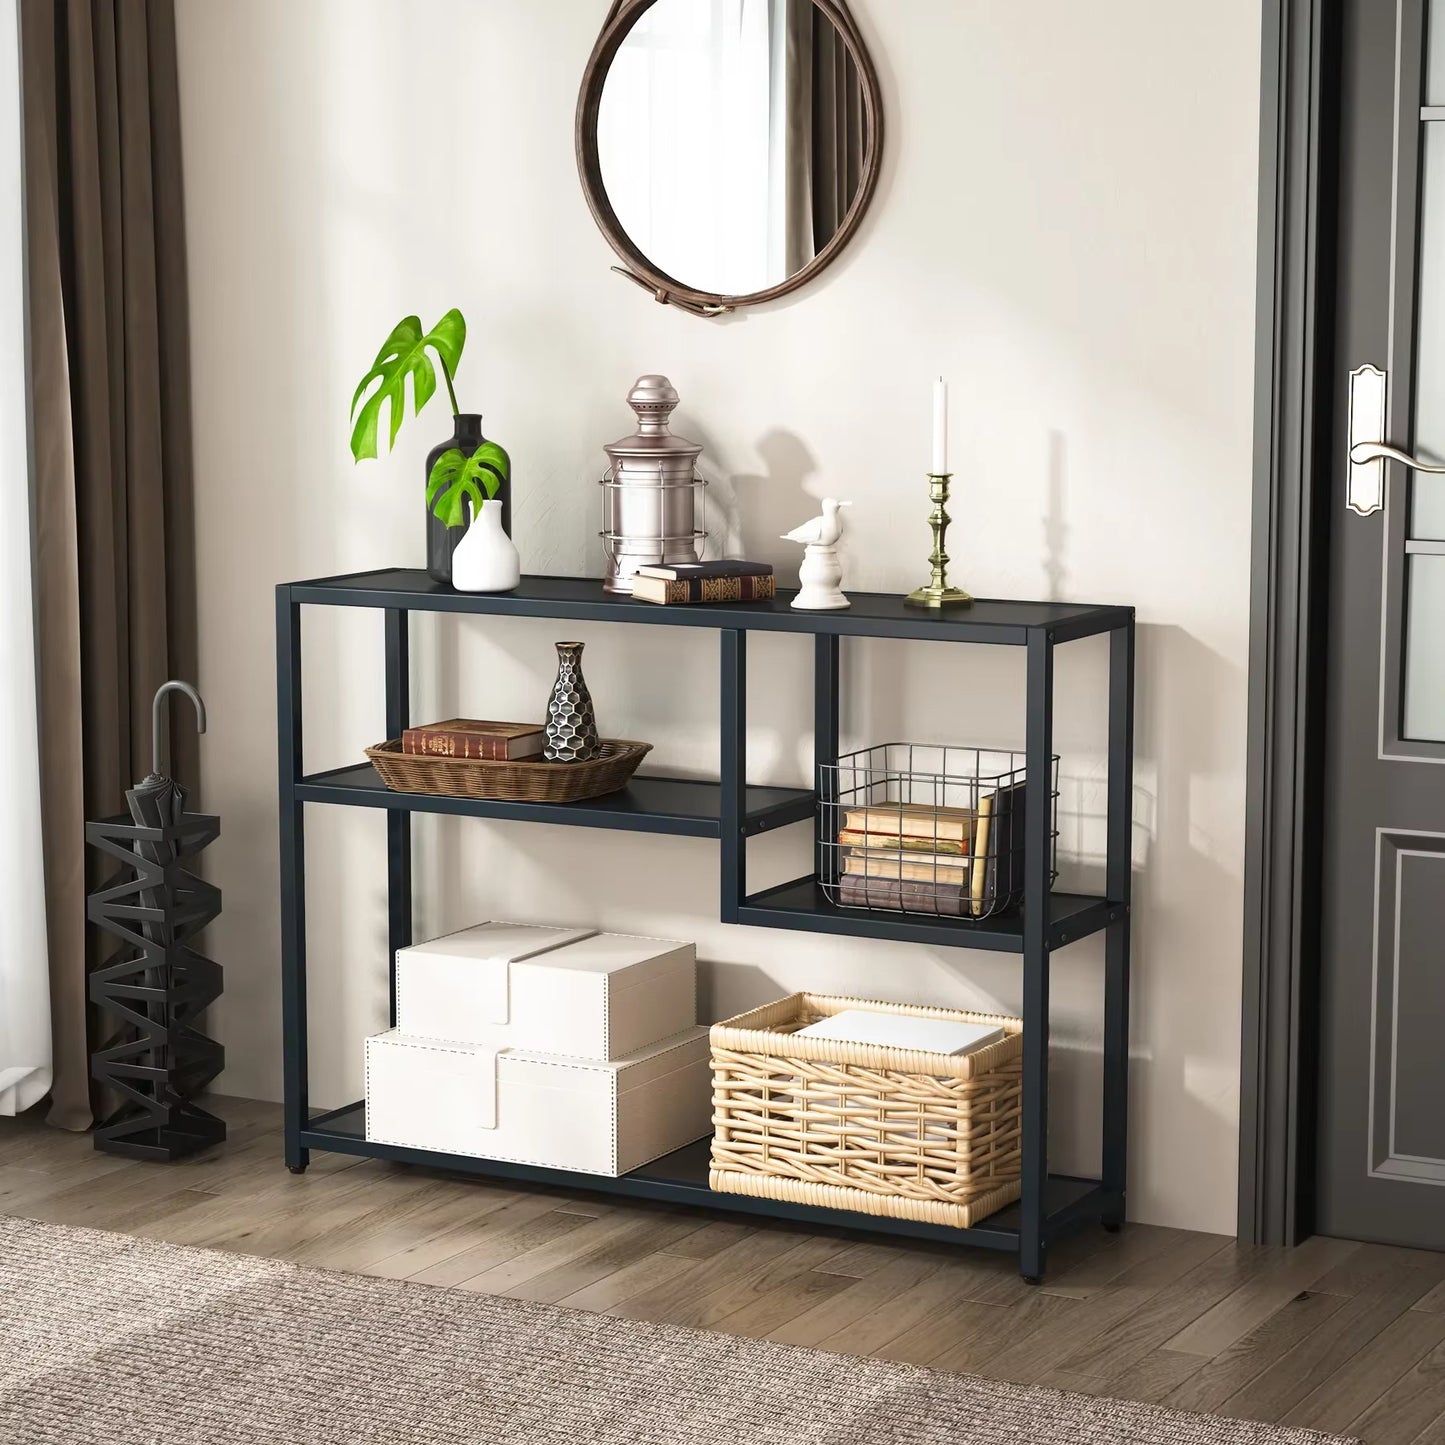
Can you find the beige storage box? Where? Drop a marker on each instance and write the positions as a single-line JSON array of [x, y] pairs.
[[883, 1130], [560, 991], [594, 1116]]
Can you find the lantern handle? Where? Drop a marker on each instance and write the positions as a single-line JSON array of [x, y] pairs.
[[158, 718]]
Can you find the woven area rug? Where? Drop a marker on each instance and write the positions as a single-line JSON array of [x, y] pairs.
[[108, 1340]]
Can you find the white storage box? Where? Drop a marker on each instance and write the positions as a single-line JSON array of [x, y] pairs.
[[560, 991], [593, 1116]]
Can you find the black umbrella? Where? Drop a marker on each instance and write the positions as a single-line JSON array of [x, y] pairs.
[[158, 802]]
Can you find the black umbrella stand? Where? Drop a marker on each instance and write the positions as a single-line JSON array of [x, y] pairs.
[[155, 985]]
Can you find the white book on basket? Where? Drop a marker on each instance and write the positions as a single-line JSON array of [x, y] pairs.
[[903, 1031]]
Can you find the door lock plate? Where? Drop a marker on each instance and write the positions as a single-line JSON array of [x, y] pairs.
[[1365, 488]]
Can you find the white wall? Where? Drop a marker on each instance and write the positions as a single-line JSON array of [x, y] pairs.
[[1064, 228]]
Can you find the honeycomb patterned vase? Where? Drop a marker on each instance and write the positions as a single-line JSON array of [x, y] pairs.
[[571, 722]]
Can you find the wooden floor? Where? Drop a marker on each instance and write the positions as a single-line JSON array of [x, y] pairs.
[[1342, 1337]]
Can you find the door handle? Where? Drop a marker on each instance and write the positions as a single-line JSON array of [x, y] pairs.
[[1362, 453], [1369, 451]]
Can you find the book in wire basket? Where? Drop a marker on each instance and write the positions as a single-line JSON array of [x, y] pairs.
[[929, 829]]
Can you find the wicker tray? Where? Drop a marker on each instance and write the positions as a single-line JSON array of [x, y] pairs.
[[900, 1132], [517, 780]]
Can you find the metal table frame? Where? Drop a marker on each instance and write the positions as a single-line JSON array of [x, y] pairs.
[[731, 811]]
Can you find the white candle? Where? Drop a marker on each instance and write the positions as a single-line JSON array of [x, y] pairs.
[[940, 426]]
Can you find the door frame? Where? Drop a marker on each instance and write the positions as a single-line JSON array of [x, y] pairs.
[[1299, 123]]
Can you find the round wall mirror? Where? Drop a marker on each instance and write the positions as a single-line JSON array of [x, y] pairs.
[[728, 148]]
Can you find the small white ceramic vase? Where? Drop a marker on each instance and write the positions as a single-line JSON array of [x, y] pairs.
[[819, 580], [486, 559]]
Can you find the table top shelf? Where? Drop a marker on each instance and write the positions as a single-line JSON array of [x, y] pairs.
[[581, 599]]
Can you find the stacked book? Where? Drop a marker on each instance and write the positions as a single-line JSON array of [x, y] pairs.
[[687, 582], [465, 737], [959, 862]]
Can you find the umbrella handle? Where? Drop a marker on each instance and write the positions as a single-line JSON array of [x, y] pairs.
[[158, 719]]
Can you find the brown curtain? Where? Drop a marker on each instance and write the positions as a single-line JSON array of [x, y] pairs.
[[111, 428], [798, 112], [838, 130], [826, 137]]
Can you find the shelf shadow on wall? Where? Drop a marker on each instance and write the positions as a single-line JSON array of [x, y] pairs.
[[768, 503], [1056, 528]]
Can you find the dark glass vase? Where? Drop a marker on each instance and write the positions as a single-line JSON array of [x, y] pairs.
[[571, 722], [441, 540]]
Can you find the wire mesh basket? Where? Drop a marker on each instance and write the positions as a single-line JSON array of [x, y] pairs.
[[924, 828]]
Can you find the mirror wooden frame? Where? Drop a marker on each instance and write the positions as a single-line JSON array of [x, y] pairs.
[[637, 268]]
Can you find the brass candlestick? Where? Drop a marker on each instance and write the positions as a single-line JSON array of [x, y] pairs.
[[938, 593]]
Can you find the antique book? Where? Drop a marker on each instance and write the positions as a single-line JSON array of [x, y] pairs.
[[464, 737], [928, 868], [980, 891], [998, 858], [727, 567], [903, 1031], [703, 589], [911, 821], [854, 838], [951, 900]]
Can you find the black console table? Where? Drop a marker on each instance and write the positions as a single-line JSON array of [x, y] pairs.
[[731, 811]]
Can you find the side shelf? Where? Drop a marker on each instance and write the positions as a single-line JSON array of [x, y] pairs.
[[803, 905]]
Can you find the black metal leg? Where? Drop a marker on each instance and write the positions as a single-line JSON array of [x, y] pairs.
[[398, 823], [1118, 885], [1116, 1070], [1038, 852], [733, 769], [825, 739], [293, 878]]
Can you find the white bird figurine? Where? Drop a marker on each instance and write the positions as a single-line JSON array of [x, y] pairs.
[[824, 530], [821, 575]]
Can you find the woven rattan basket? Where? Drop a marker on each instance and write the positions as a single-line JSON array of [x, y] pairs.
[[924, 1136], [518, 780]]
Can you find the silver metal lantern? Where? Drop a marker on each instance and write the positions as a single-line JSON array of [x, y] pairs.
[[650, 492]]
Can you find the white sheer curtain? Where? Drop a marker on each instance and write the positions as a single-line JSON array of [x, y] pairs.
[[24, 970], [686, 142]]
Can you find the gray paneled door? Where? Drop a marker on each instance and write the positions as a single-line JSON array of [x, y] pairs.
[[1381, 1162]]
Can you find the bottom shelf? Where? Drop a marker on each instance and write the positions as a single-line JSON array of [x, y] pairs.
[[681, 1178]]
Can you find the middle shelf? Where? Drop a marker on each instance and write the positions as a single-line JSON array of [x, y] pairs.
[[691, 807], [684, 807]]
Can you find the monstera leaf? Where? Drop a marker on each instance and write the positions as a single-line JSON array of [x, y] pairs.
[[403, 354], [455, 476]]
